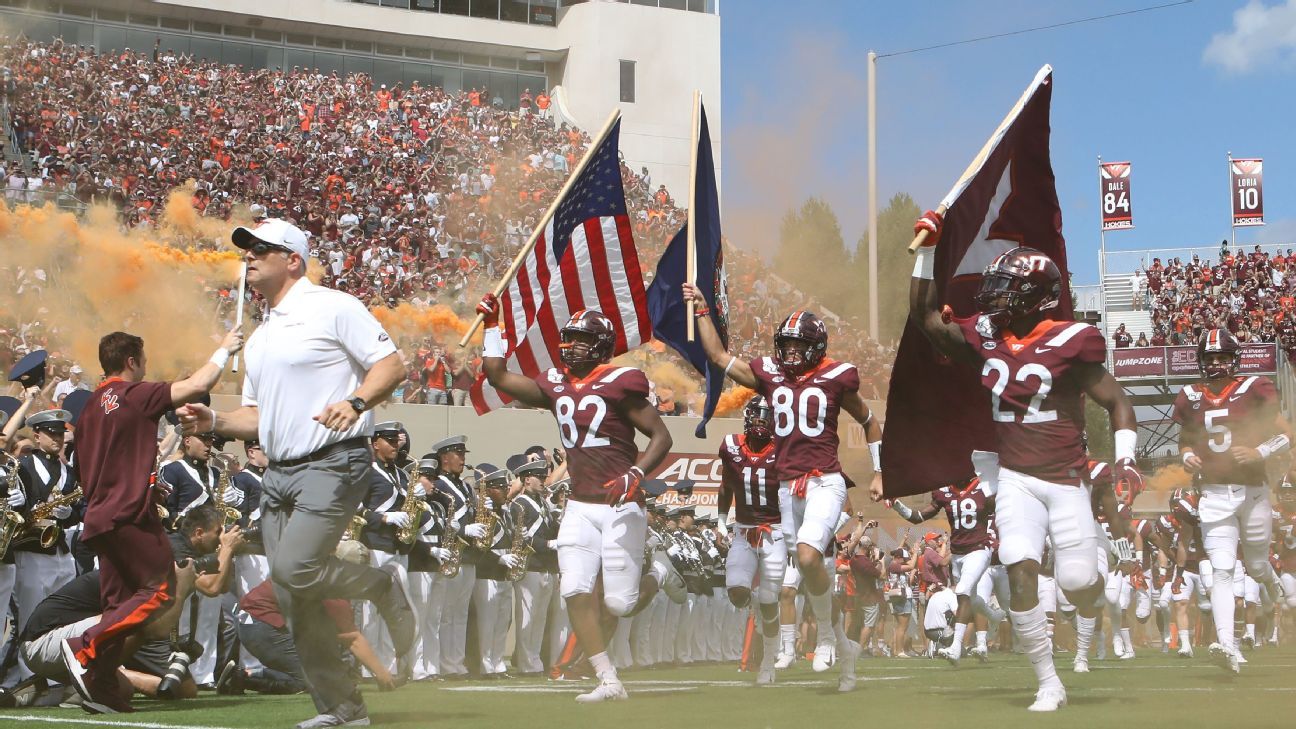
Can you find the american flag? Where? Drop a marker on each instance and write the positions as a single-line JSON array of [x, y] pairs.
[[585, 259]]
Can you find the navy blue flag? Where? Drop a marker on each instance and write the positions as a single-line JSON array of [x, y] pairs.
[[666, 303]]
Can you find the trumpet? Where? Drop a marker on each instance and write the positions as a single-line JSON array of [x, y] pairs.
[[11, 522]]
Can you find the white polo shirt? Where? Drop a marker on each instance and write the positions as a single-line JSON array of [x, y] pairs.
[[313, 350]]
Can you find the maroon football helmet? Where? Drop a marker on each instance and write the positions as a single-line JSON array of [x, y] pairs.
[[1218, 354], [1021, 282], [597, 345], [758, 419], [1183, 505], [800, 326]]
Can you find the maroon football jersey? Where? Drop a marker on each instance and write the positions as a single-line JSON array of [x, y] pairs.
[[749, 476], [1241, 414], [1036, 400], [805, 413], [599, 439], [1190, 536], [969, 512]]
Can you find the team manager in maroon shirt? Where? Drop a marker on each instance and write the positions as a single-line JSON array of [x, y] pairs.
[[117, 452]]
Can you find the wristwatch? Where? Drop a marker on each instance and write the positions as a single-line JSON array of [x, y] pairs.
[[358, 404]]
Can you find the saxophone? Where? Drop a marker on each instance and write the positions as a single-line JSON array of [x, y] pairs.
[[415, 506], [11, 522], [43, 528], [486, 517], [519, 548], [231, 514]]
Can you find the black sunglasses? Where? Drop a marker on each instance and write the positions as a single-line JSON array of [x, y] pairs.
[[260, 248]]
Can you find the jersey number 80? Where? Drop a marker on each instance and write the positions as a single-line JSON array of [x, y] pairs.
[[788, 418]]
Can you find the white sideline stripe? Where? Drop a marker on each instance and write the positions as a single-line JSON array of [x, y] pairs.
[[652, 686], [103, 722], [557, 689]]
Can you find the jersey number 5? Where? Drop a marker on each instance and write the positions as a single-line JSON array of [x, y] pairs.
[[1033, 414], [1217, 429], [565, 409]]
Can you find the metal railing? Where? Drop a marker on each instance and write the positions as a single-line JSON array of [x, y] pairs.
[[62, 200], [1087, 297]]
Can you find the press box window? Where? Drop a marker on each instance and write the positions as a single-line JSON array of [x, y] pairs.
[[627, 82]]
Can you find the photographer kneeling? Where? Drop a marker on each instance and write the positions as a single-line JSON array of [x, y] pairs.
[[204, 538], [74, 608]]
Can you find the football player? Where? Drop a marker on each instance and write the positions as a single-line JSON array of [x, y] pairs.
[[807, 391], [969, 507], [1286, 539], [1038, 372], [758, 552], [601, 540], [1229, 427], [1193, 573], [1116, 559]]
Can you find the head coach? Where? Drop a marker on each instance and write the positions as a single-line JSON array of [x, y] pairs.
[[315, 367]]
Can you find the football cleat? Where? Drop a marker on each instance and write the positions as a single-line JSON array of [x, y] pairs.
[[1225, 658], [1249, 642], [823, 656], [1185, 651], [765, 676], [673, 585], [607, 690], [784, 660], [1128, 655], [949, 655], [1049, 699], [1080, 665], [981, 654]]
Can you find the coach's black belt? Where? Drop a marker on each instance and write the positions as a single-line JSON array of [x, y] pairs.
[[325, 452]]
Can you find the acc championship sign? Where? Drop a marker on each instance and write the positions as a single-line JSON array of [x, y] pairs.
[[1247, 177], [1117, 210], [1145, 362]]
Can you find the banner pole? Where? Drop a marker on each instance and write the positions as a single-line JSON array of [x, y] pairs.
[[872, 197], [1232, 219], [1102, 255], [544, 220], [691, 259]]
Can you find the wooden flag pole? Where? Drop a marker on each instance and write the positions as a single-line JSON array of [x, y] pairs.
[[975, 165], [691, 266], [544, 220]]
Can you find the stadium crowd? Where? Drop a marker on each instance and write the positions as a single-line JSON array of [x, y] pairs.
[[411, 194], [1252, 294]]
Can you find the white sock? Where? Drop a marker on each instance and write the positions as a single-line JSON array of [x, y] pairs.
[[960, 629], [1250, 630], [787, 634], [1031, 628], [1084, 635], [770, 654], [981, 639], [1118, 644], [1184, 640], [1222, 608], [603, 667], [1129, 642], [822, 606]]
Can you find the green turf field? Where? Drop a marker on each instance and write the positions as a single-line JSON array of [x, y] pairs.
[[1151, 691]]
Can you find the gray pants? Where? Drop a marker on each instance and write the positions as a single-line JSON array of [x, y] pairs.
[[304, 511], [274, 648]]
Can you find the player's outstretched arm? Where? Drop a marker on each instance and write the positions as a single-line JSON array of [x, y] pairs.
[[736, 369], [910, 515], [516, 386], [924, 306]]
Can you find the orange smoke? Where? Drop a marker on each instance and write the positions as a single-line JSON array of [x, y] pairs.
[[407, 321], [82, 278], [1168, 478], [732, 401]]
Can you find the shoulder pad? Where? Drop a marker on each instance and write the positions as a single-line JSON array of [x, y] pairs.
[[1192, 393], [554, 375], [985, 328]]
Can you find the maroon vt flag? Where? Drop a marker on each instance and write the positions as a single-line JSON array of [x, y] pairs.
[[937, 411]]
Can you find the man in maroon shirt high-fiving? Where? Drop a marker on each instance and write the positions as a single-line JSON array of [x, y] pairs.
[[117, 454]]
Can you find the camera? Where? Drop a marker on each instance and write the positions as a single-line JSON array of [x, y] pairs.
[[184, 654], [207, 564]]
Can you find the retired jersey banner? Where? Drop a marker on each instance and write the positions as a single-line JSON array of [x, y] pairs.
[[1248, 191], [1117, 210]]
